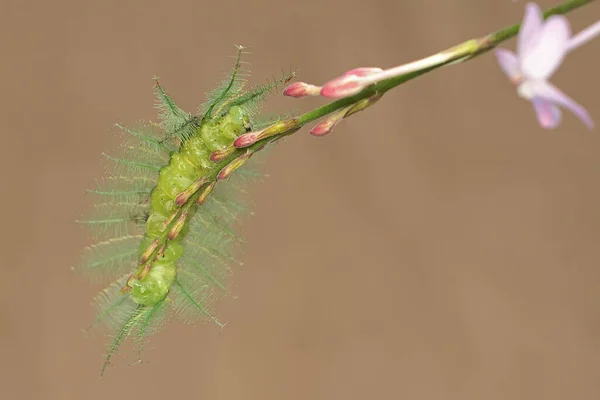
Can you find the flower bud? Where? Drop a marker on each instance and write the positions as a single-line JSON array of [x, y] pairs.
[[326, 126], [177, 226], [149, 250], [362, 104], [171, 217], [245, 140], [218, 155], [343, 86], [232, 166], [363, 71], [323, 128], [184, 196], [142, 274], [277, 128], [205, 192], [301, 89]]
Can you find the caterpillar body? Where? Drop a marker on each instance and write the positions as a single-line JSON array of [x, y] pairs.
[[163, 225]]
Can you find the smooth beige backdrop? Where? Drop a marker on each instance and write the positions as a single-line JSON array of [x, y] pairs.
[[439, 246]]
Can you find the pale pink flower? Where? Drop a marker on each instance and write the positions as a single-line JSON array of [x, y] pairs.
[[541, 48]]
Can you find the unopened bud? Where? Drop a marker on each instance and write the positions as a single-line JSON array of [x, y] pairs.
[[277, 128], [177, 226], [362, 104], [205, 192], [363, 71], [350, 83], [172, 217], [184, 196], [142, 274], [326, 126], [149, 250], [218, 155], [245, 140], [323, 128], [232, 166], [301, 89], [343, 86]]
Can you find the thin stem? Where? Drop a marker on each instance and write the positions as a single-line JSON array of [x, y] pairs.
[[460, 53], [463, 52]]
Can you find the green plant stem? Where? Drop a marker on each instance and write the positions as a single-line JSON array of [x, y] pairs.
[[466, 51], [460, 53]]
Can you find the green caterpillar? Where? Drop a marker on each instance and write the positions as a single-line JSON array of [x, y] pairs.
[[185, 174], [163, 225]]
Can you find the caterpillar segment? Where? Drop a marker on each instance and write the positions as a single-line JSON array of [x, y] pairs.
[[171, 206]]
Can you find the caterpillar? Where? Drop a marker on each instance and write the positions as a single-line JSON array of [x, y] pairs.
[[162, 225]]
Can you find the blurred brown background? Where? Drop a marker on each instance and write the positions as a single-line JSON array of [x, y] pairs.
[[439, 246]]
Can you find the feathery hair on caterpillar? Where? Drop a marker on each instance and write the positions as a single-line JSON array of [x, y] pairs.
[[162, 226]]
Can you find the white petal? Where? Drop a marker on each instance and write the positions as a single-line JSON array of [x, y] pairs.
[[548, 115], [509, 63], [543, 57], [551, 93], [532, 22]]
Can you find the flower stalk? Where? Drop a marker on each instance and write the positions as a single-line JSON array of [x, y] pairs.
[[386, 80]]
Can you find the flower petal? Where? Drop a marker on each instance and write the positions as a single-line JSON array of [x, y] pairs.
[[543, 57], [551, 93], [509, 63], [532, 23], [548, 115]]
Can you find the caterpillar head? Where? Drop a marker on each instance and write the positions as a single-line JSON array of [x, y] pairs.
[[218, 133], [237, 119]]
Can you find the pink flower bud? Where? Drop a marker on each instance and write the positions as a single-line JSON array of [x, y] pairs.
[[233, 165], [218, 155], [149, 251], [323, 128], [301, 89], [343, 86], [246, 140], [350, 83], [184, 196], [363, 71], [141, 274], [326, 126], [177, 226], [278, 128], [206, 191]]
